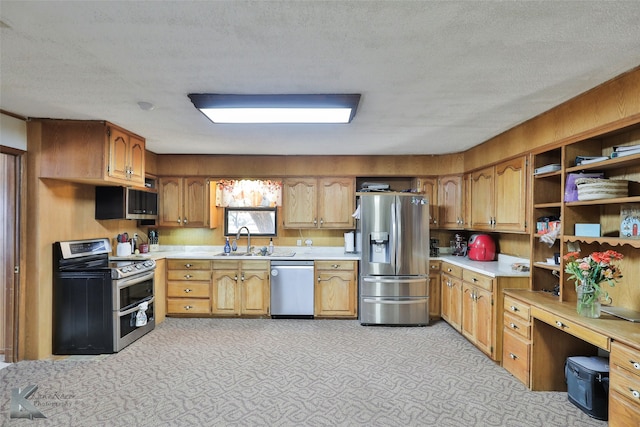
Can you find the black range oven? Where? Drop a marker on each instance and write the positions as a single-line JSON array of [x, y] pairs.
[[99, 306]]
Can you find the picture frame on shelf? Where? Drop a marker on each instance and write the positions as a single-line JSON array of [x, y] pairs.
[[630, 221]]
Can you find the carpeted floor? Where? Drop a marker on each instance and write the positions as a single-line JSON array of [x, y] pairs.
[[262, 372]]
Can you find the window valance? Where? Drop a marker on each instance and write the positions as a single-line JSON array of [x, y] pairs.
[[249, 193]]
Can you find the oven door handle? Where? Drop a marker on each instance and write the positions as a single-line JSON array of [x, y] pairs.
[[134, 309], [123, 283]]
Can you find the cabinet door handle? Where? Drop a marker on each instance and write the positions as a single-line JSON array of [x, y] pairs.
[[236, 278], [513, 326], [321, 221], [513, 356], [186, 291], [184, 221], [179, 220], [242, 277]]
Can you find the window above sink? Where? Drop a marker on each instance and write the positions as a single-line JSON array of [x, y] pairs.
[[259, 221]]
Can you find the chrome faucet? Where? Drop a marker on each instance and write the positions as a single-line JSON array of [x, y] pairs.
[[248, 237]]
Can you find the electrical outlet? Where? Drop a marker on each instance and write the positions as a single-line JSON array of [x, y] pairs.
[[299, 242]]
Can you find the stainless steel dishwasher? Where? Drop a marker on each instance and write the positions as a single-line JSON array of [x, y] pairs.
[[292, 289]]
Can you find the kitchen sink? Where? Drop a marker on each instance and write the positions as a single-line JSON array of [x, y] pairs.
[[236, 254]]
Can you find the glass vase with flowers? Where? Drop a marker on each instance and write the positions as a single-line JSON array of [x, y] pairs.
[[589, 273]]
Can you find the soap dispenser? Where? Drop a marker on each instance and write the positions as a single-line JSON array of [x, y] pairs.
[[227, 247], [270, 246]]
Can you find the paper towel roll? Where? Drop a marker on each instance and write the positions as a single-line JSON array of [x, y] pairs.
[[349, 242]]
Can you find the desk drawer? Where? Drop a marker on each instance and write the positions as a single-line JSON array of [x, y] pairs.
[[622, 413], [626, 358], [516, 307], [517, 325], [516, 356], [572, 328], [451, 270], [625, 384], [480, 280]]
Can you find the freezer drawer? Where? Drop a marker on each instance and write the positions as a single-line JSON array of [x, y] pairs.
[[394, 311], [394, 286]]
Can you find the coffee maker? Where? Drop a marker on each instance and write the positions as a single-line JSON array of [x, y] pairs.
[[459, 245], [434, 250]]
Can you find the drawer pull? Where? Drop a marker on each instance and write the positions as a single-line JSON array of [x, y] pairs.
[[187, 290], [188, 276], [188, 307], [474, 280], [635, 393], [513, 326], [514, 308], [188, 265], [513, 356], [335, 265], [636, 365], [559, 324]]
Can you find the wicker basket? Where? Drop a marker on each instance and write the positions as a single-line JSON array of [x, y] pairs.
[[594, 188]]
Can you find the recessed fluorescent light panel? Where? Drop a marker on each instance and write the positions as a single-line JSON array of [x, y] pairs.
[[221, 108]]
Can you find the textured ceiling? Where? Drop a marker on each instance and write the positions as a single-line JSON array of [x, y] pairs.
[[435, 76]]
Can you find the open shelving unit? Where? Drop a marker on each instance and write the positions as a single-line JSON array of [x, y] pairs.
[[548, 191]]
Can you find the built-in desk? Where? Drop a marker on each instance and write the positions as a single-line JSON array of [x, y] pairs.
[[558, 332]]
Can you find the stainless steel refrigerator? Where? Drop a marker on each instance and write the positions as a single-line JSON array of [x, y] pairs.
[[394, 274]]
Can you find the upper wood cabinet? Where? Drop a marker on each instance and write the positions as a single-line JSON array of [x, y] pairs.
[[94, 152], [184, 202], [499, 197], [451, 202], [429, 187], [126, 155], [319, 203]]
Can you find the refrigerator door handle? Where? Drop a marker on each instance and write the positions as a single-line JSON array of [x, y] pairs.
[[393, 236], [396, 301], [394, 280], [397, 243]]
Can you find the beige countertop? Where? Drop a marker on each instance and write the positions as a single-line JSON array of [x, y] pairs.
[[280, 253], [500, 268]]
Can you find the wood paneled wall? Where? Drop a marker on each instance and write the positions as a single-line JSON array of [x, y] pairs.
[[283, 166], [601, 109]]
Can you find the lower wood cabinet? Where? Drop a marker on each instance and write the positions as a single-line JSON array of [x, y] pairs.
[[451, 295], [188, 286], [240, 288], [516, 339], [434, 289], [472, 304], [336, 289]]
